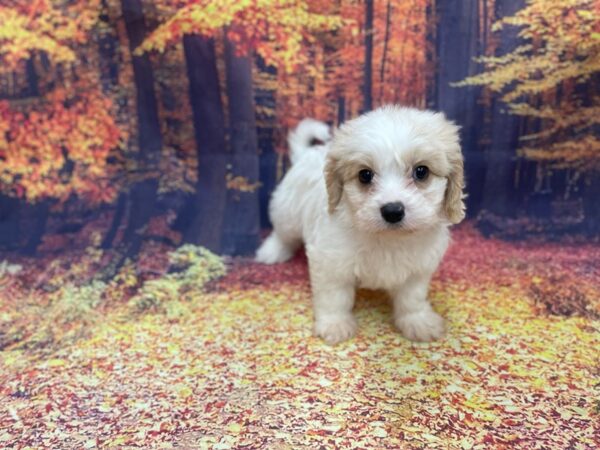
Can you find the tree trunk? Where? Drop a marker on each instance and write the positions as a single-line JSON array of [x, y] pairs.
[[241, 227], [41, 213], [500, 158], [368, 69], [457, 43], [591, 210], [208, 204], [431, 66], [531, 196], [117, 219], [386, 38], [591, 191], [32, 78], [142, 193], [107, 50], [10, 231], [341, 110], [142, 200], [265, 116], [109, 77]]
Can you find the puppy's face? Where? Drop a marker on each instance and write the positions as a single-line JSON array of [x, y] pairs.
[[397, 170]]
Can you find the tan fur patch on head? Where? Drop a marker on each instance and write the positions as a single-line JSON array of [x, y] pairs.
[[454, 205], [342, 169], [334, 183]]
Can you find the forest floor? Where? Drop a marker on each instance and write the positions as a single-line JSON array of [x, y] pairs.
[[172, 353]]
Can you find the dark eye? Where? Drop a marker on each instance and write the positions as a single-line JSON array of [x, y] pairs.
[[365, 176], [421, 172]]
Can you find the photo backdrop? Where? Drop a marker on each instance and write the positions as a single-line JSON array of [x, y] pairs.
[[132, 113], [136, 134]]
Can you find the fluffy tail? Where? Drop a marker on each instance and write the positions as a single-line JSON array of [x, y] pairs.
[[309, 133]]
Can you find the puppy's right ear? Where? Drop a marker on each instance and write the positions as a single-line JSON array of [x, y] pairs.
[[333, 182], [454, 198]]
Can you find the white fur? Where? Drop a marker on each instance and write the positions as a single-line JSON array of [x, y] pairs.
[[351, 245]]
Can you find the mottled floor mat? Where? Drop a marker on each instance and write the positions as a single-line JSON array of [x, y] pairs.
[[231, 363]]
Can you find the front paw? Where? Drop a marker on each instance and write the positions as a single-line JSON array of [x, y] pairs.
[[336, 330], [422, 326]]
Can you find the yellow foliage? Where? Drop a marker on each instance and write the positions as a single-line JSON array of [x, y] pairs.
[[275, 29], [561, 50], [582, 154], [566, 50], [191, 267], [57, 149], [27, 28]]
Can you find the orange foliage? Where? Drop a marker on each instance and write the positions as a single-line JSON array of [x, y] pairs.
[[57, 138], [316, 47], [28, 28], [405, 66], [275, 29], [58, 148], [335, 70]]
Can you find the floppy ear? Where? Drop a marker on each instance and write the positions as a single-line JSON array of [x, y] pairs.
[[333, 182], [454, 205]]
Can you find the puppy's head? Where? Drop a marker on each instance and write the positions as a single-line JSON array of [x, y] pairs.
[[397, 169]]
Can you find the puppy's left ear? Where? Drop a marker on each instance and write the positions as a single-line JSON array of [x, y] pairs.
[[454, 206], [333, 182]]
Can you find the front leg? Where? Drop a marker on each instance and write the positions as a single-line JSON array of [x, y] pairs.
[[333, 301], [413, 314]]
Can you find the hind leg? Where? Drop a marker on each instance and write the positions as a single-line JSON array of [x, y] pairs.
[[275, 250]]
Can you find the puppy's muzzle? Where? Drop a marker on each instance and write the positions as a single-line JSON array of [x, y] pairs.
[[392, 212]]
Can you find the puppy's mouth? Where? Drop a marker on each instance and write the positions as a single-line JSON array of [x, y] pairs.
[[400, 228], [403, 227]]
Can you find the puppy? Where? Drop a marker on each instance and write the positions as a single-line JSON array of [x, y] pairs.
[[372, 206]]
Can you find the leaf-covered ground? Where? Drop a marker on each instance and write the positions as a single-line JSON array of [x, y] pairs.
[[162, 357]]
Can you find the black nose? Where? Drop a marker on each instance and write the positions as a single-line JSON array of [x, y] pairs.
[[392, 212]]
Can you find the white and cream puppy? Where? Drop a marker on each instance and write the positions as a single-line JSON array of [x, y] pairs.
[[372, 206]]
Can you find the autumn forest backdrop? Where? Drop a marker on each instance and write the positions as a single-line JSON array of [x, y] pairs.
[[139, 144], [128, 113]]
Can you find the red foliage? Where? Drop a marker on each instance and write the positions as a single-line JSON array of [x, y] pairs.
[[246, 274]]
